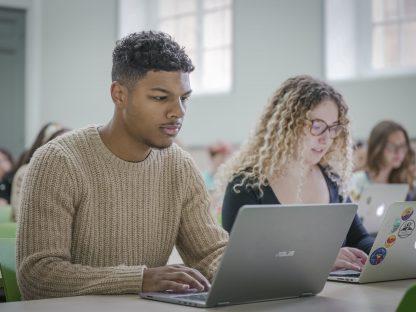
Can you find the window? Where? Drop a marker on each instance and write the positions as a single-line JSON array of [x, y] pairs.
[[393, 33], [369, 37], [203, 27]]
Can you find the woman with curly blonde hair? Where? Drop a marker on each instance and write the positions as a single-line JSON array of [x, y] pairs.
[[299, 153]]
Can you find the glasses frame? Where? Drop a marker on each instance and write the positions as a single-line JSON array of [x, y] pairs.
[[329, 128]]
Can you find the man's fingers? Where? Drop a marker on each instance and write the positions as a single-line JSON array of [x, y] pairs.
[[199, 277], [192, 272], [173, 286], [185, 278]]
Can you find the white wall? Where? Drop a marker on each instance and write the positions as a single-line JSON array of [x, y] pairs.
[[372, 100], [77, 41], [274, 39]]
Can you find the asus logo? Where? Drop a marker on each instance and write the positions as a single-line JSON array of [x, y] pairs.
[[282, 254]]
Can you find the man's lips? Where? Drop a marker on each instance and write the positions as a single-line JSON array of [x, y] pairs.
[[172, 129]]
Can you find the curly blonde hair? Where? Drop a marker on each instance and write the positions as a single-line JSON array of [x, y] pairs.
[[278, 138]]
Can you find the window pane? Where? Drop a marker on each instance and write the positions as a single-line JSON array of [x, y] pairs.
[[390, 9], [212, 4], [377, 10], [182, 29], [377, 57], [217, 29], [386, 50], [185, 6], [409, 8], [168, 26], [217, 70], [174, 7], [409, 44]]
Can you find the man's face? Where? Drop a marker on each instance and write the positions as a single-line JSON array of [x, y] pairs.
[[154, 108]]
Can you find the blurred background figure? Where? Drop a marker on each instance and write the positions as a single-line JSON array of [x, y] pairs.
[[389, 159], [6, 162], [218, 154], [48, 132], [6, 165], [359, 156]]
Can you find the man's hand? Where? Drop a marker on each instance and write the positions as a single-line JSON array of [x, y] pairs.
[[350, 259], [176, 278]]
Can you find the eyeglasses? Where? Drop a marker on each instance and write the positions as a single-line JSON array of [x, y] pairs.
[[319, 127], [394, 148]]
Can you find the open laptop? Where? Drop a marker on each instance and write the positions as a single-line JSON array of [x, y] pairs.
[[274, 252], [393, 255], [375, 200]]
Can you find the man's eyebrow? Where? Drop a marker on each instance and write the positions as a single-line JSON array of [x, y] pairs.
[[187, 93], [160, 89]]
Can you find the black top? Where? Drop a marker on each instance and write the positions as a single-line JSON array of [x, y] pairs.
[[357, 236]]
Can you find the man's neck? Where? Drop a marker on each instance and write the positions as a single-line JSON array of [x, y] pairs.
[[117, 140]]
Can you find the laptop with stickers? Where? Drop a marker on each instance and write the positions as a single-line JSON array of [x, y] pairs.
[[375, 200], [393, 254], [274, 252]]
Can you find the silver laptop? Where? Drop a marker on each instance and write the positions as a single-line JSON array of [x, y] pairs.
[[274, 252], [375, 200], [393, 255]]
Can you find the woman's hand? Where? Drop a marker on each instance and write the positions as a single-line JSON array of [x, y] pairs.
[[350, 259]]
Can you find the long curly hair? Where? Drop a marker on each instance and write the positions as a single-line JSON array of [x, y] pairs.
[[375, 154], [278, 138]]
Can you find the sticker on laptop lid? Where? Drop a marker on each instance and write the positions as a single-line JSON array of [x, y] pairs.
[[396, 225], [378, 255], [390, 241], [407, 213], [406, 229]]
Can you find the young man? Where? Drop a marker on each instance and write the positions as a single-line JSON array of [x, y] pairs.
[[104, 206]]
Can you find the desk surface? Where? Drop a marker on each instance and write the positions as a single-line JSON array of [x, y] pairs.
[[335, 297]]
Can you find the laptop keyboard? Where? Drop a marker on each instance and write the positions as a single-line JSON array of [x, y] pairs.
[[347, 273], [199, 297]]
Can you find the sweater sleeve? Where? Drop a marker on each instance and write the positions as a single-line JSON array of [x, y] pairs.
[[234, 201], [43, 246], [201, 241]]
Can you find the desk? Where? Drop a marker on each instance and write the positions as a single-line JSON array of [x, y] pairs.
[[340, 297]]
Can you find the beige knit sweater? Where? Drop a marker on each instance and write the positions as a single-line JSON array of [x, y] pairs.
[[91, 222]]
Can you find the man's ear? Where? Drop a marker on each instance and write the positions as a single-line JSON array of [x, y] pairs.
[[119, 94]]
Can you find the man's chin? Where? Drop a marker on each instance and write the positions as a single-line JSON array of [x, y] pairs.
[[161, 145]]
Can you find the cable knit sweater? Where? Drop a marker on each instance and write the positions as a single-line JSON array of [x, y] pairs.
[[90, 222]]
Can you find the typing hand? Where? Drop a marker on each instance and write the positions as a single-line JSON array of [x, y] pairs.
[[175, 278], [350, 259]]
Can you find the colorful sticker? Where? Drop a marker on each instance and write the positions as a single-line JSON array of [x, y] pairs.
[[396, 225], [407, 213], [378, 255], [406, 229], [390, 241]]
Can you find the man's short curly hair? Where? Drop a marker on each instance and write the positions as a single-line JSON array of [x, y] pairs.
[[138, 53]]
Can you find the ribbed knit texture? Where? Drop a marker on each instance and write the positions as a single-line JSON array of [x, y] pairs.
[[91, 222]]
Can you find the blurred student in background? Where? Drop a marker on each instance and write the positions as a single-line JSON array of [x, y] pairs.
[[388, 159], [48, 132], [6, 165], [218, 154], [359, 156]]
